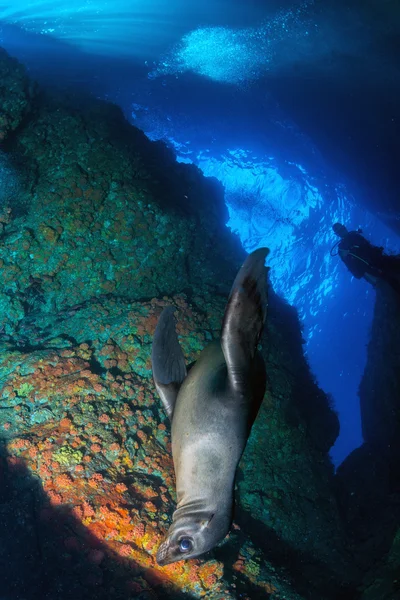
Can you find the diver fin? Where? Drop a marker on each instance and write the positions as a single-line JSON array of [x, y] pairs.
[[244, 318], [168, 362]]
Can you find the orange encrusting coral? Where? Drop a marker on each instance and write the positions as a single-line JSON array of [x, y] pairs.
[[109, 463]]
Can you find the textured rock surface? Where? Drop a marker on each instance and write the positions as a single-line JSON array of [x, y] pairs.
[[16, 92], [368, 481], [284, 472], [115, 229], [380, 385]]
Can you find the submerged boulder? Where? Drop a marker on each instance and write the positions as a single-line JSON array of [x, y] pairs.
[[16, 93], [115, 230], [380, 385], [368, 481], [286, 469]]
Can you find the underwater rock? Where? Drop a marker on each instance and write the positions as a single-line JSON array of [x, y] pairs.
[[16, 92], [368, 481], [369, 498], [383, 583], [285, 469], [380, 385], [114, 231], [108, 200]]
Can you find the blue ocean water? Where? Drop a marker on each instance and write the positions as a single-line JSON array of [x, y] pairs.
[[275, 200], [196, 76]]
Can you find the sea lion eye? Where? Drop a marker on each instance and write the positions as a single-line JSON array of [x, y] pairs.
[[185, 545]]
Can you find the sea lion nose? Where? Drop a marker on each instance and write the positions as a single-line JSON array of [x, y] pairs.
[[162, 553]]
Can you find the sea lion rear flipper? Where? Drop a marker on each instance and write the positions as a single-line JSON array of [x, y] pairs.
[[168, 362], [244, 318]]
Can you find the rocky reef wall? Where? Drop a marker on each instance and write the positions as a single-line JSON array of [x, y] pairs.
[[368, 481], [113, 231]]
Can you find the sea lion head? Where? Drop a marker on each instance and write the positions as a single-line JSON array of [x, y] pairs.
[[189, 537]]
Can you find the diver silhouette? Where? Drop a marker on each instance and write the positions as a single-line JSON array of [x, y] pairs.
[[363, 259]]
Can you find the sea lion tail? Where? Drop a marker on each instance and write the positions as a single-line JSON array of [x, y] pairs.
[[244, 317], [168, 362]]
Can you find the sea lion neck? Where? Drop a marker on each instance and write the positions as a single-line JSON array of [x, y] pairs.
[[219, 516], [198, 508], [202, 510]]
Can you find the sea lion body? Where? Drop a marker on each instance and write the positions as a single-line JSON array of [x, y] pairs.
[[212, 409], [209, 432], [207, 435]]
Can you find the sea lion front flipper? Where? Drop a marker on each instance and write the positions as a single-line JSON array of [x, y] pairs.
[[168, 362], [244, 318]]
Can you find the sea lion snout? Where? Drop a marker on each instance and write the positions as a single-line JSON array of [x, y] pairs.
[[162, 554]]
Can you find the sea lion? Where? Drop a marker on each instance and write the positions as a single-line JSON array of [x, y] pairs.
[[212, 409]]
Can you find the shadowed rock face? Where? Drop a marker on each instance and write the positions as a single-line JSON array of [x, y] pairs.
[[285, 468], [115, 230], [380, 385], [16, 93], [368, 481]]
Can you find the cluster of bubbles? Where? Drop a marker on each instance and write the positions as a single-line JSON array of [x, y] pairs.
[[235, 56]]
